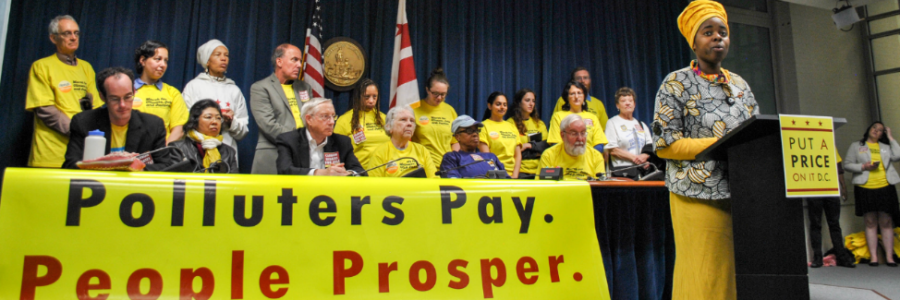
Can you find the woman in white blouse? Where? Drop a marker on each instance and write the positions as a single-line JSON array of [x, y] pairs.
[[629, 138]]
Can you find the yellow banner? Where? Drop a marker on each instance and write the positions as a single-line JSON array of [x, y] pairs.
[[810, 159], [92, 235]]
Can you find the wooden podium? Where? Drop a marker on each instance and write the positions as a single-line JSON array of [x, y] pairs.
[[769, 235]]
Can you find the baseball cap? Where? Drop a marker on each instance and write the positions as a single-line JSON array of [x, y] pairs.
[[463, 121]]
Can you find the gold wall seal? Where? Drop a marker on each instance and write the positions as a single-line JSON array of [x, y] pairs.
[[345, 63]]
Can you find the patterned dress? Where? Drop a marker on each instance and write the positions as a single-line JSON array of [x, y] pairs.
[[691, 104]]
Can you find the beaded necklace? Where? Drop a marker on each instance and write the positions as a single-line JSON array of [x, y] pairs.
[[722, 78]]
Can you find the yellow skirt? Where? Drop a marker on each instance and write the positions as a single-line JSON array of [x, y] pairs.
[[704, 249]]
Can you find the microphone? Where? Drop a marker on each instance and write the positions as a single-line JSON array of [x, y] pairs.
[[392, 161], [443, 173], [653, 175]]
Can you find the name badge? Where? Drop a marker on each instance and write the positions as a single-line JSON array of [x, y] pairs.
[[359, 137], [331, 158], [864, 149], [146, 158], [304, 96], [638, 127]]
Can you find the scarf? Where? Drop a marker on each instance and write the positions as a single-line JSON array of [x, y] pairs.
[[210, 144]]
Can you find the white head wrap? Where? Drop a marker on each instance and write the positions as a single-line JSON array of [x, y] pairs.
[[206, 50]]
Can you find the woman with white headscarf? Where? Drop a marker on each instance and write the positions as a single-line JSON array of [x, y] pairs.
[[212, 84]]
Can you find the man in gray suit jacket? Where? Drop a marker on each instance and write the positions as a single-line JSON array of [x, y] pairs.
[[271, 106]]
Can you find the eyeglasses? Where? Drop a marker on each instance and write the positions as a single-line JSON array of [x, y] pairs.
[[324, 118], [115, 100], [470, 130], [582, 78], [211, 117], [438, 95], [576, 93], [68, 34], [577, 134]]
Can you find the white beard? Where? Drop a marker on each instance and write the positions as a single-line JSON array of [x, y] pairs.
[[575, 150]]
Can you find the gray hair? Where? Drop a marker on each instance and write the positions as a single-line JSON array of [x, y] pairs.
[[392, 115], [312, 107], [54, 24], [278, 53], [568, 120]]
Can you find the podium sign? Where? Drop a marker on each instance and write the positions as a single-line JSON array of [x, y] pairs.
[[810, 158]]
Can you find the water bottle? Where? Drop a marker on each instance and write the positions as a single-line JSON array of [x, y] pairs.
[[94, 145]]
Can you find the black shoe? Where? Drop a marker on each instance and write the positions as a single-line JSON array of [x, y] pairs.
[[873, 264], [892, 265], [815, 265], [846, 264]]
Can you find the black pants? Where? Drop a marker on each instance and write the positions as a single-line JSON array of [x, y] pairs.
[[832, 208]]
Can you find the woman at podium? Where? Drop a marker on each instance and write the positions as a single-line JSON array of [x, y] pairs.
[[876, 197], [695, 106]]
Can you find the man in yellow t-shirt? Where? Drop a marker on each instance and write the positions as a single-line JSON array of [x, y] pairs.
[[594, 105], [578, 161], [271, 108], [59, 86]]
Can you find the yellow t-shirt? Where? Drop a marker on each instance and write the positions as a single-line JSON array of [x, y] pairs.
[[502, 139], [877, 178], [387, 152], [166, 104], [530, 166], [52, 82], [433, 128], [292, 102], [117, 141], [372, 135], [574, 168], [594, 106], [595, 135]]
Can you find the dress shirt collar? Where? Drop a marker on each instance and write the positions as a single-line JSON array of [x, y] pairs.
[[138, 83]]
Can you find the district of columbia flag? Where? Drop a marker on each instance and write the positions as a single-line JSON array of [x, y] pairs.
[[312, 66], [404, 86]]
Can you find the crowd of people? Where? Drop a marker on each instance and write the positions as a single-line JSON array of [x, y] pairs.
[[297, 131], [302, 135]]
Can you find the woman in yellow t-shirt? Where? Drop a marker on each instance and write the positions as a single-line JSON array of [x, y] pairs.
[[870, 160], [433, 118], [523, 114], [573, 94], [154, 97], [400, 125], [363, 123], [499, 137]]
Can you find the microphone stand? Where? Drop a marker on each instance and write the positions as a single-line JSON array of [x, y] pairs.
[[384, 164]]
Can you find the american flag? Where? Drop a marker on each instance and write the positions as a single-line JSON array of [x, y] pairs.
[[312, 66]]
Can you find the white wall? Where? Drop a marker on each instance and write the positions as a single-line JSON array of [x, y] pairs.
[[831, 81]]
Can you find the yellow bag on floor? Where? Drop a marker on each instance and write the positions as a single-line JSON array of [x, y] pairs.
[[856, 243]]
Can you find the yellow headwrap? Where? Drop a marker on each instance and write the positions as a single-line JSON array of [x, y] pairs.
[[210, 144], [695, 14]]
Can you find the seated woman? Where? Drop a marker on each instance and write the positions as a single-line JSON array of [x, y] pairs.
[[573, 94], [468, 162], [629, 139], [524, 115], [202, 145], [400, 156], [500, 137]]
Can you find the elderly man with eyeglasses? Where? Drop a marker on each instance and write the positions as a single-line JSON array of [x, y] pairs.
[[314, 149], [59, 86], [578, 161]]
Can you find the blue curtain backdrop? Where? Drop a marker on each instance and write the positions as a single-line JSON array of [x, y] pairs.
[[484, 46]]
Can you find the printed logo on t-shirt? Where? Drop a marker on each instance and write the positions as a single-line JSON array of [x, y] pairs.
[[304, 96], [494, 135], [424, 120], [137, 103], [392, 167], [64, 86]]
